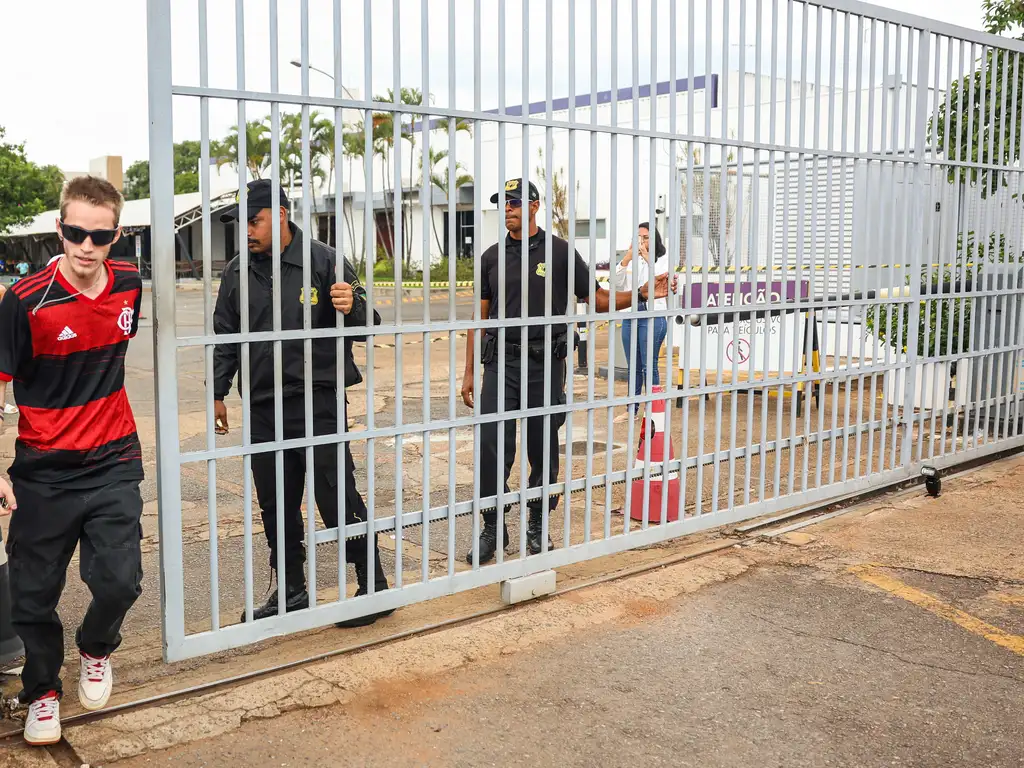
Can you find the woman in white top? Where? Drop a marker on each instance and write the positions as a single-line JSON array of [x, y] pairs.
[[641, 369]]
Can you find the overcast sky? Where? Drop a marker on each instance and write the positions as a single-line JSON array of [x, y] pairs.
[[74, 82]]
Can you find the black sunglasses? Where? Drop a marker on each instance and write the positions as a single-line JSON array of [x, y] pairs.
[[514, 202], [77, 235]]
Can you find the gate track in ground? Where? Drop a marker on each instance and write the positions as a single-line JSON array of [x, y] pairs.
[[64, 753]]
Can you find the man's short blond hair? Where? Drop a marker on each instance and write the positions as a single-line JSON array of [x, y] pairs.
[[93, 190]]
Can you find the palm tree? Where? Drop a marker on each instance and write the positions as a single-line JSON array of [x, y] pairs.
[[257, 148], [321, 137], [291, 149], [443, 182], [384, 140]]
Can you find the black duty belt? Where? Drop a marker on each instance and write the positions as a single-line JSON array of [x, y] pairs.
[[535, 350]]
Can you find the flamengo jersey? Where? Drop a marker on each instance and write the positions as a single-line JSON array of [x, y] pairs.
[[76, 427]]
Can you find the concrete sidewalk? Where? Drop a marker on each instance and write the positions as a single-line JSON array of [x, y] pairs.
[[891, 635]]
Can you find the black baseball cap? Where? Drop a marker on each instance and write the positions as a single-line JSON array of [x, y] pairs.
[[260, 195], [514, 191]]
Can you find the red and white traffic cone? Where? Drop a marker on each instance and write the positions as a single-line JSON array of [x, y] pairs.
[[653, 428]]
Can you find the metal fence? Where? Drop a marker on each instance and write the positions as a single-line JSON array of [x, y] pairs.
[[873, 330]]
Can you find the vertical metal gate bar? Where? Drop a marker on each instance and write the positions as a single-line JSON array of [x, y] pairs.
[[888, 305], [613, 262], [452, 261], [632, 355], [653, 221], [276, 299], [773, 192], [931, 389], [844, 264], [211, 439], [705, 237], [672, 236], [369, 237], [245, 377], [524, 285], [1000, 300], [371, 340], [339, 275], [477, 257], [549, 219], [499, 470], [1008, 305], [570, 379], [158, 39], [427, 206], [787, 262], [951, 305], [1016, 142], [900, 412], [804, 146], [992, 420], [307, 304], [592, 280], [920, 136], [832, 380], [851, 256], [965, 268], [874, 236], [975, 259], [739, 276], [687, 237], [756, 261], [863, 310], [750, 262], [723, 256], [398, 291]]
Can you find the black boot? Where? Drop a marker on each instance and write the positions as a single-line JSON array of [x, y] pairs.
[[380, 584], [535, 533], [296, 598], [488, 543]]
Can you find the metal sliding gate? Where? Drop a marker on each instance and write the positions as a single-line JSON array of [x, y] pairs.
[[835, 186]]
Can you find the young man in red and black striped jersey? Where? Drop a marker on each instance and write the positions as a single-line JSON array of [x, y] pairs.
[[64, 333]]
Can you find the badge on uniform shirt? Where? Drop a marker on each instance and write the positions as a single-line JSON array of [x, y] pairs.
[[314, 297], [542, 270]]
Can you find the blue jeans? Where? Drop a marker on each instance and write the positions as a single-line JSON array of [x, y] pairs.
[[641, 371]]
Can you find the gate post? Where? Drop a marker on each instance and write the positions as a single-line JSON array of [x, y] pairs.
[[161, 174]]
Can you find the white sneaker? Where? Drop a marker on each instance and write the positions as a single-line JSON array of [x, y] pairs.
[[43, 723], [95, 681]]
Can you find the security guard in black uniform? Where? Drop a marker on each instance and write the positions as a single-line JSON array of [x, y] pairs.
[[328, 301], [539, 272]]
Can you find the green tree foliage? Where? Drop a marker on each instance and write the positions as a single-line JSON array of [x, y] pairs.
[[941, 316], [979, 120], [1002, 16], [186, 172], [26, 189]]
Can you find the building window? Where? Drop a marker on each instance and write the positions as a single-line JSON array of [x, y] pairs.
[[583, 228]]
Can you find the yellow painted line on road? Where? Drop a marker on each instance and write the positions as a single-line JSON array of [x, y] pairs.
[[871, 573], [1008, 599]]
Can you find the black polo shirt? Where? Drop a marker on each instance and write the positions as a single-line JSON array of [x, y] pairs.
[[556, 271]]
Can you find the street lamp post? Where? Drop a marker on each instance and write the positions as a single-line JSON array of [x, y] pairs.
[[344, 90]]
